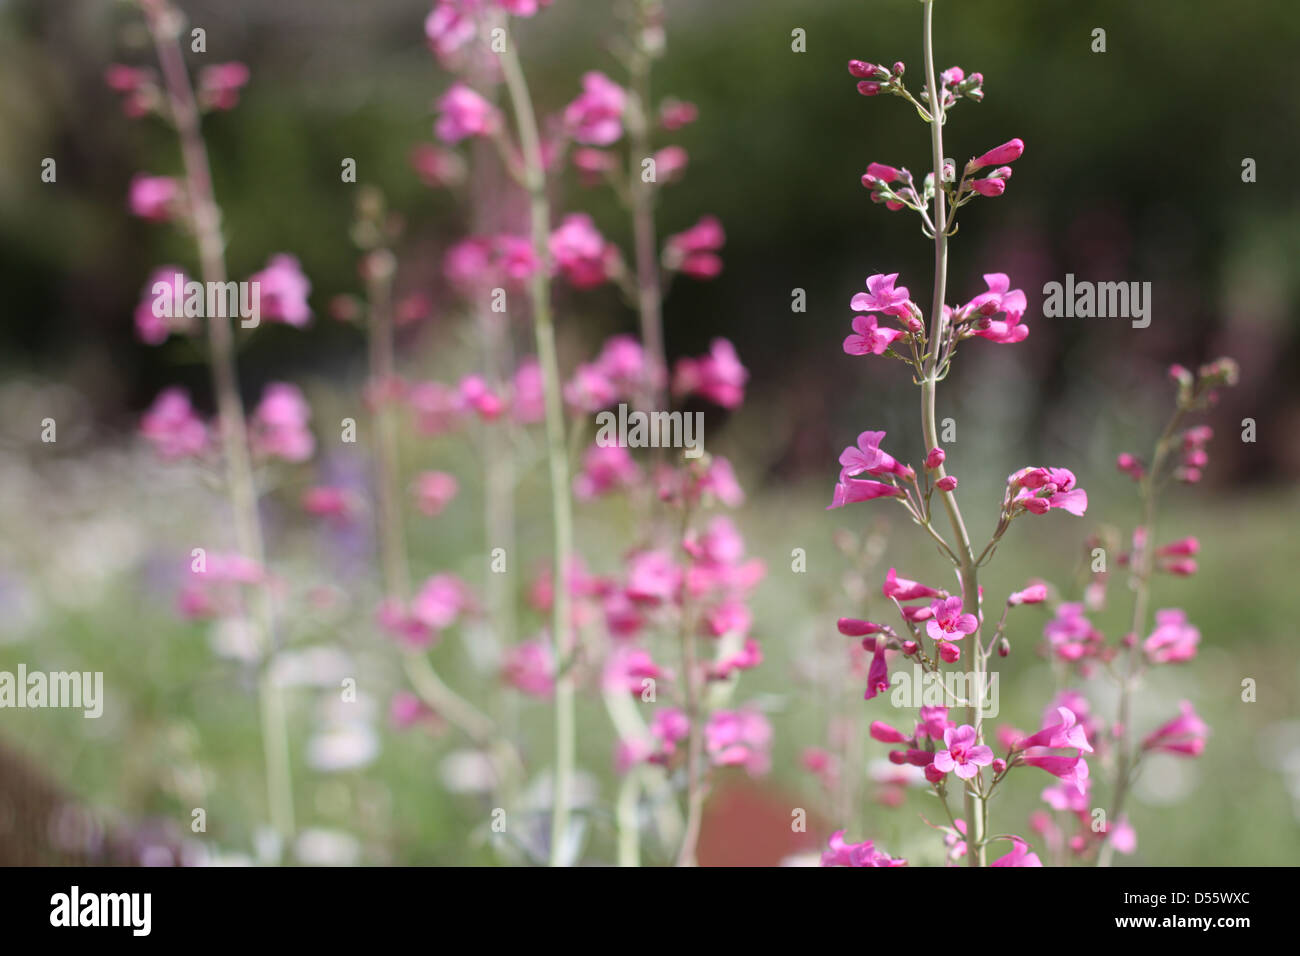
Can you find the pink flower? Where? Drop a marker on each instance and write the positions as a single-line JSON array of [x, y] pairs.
[[593, 164], [154, 197], [868, 338], [856, 854], [852, 627], [963, 755], [153, 324], [868, 458], [449, 27], [434, 490], [739, 738], [219, 85], [1034, 594], [652, 577], [994, 184], [1066, 733], [437, 167], [694, 252], [523, 8], [877, 673], [628, 668], [669, 726], [1019, 855], [1008, 152], [949, 623], [397, 620], [1069, 634], [946, 483], [1182, 548], [1037, 490], [730, 617], [282, 291], [172, 427], [1071, 770], [406, 710], [670, 162], [440, 601], [595, 118], [881, 296], [437, 408], [1183, 736], [720, 481], [885, 733], [1173, 640], [529, 667], [852, 490], [527, 397], [581, 253], [278, 428], [1000, 298], [483, 261], [1130, 466], [465, 114], [604, 469], [475, 393], [328, 501], [717, 376], [880, 173], [904, 590], [674, 114], [747, 658]]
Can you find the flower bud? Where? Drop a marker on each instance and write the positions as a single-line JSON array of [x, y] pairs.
[[852, 627], [999, 765], [950, 653], [947, 483], [910, 648], [1004, 647], [935, 458], [1008, 152]]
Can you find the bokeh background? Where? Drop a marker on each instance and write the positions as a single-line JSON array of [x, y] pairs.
[[1133, 171]]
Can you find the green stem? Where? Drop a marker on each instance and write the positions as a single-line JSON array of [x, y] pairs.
[[561, 510], [1143, 566], [975, 812], [164, 26]]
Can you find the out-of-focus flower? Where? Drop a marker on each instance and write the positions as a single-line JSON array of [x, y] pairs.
[[695, 251], [283, 290], [156, 198], [1184, 736], [464, 114], [529, 667], [739, 738], [437, 167], [841, 853], [717, 376], [434, 490], [219, 85], [604, 469], [278, 428], [581, 253], [172, 426], [595, 118]]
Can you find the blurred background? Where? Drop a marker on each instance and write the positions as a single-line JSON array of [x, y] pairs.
[[1132, 172]]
